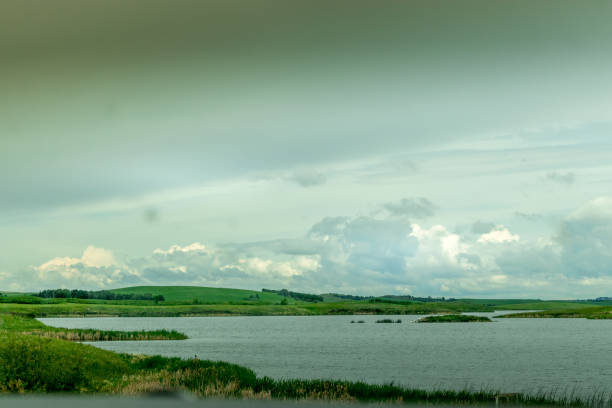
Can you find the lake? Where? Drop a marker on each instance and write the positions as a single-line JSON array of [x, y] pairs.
[[510, 355]]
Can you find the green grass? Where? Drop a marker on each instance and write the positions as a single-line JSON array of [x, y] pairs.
[[530, 304], [204, 295], [599, 312], [453, 318], [24, 325], [298, 309], [32, 364], [36, 364], [206, 301]]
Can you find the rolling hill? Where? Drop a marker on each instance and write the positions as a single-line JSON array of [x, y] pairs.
[[205, 295]]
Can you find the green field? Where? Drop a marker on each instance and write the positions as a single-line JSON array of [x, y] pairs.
[[205, 295], [110, 308], [599, 312], [206, 301]]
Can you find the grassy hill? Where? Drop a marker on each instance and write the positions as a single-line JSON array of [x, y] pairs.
[[205, 295]]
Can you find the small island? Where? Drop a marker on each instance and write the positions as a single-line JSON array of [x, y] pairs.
[[453, 318]]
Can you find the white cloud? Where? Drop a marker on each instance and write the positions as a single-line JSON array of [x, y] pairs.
[[370, 255], [195, 247], [498, 235], [96, 268]]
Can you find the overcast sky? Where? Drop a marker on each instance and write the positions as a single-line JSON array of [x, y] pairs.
[[428, 148]]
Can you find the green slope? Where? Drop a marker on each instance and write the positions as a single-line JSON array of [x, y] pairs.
[[205, 295]]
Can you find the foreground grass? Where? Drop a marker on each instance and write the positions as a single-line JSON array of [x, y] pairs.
[[599, 312], [35, 364], [24, 325], [453, 318]]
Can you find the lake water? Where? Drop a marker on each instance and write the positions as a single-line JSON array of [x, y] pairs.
[[510, 355]]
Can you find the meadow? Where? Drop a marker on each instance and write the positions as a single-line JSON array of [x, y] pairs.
[[587, 312], [205, 301]]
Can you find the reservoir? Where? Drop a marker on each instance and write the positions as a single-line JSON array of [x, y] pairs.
[[509, 355]]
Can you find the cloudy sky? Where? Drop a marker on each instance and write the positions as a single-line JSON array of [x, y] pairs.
[[428, 148]]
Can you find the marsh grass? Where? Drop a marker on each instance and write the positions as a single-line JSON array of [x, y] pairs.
[[30, 326], [35, 364]]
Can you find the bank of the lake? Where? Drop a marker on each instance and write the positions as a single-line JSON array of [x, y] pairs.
[[36, 364], [599, 312], [22, 325], [302, 309], [510, 355]]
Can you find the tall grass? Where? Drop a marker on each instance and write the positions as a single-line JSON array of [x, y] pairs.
[[34, 364], [27, 325]]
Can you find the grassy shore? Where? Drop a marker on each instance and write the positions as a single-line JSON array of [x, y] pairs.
[[35, 364], [600, 312], [29, 326], [302, 309], [453, 318]]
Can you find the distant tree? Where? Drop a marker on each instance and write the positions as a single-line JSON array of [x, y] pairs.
[[284, 302], [158, 298]]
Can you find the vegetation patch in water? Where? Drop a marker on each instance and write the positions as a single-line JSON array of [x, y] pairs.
[[453, 318], [388, 321]]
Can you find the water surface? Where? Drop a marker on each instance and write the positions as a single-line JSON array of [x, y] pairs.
[[511, 355]]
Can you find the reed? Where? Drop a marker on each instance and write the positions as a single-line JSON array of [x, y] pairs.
[[453, 318]]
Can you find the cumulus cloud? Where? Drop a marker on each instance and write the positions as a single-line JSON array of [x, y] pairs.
[[563, 178], [195, 247], [498, 235], [96, 268], [585, 237], [373, 255], [418, 207]]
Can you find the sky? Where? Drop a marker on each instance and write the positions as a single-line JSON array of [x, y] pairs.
[[458, 149]]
